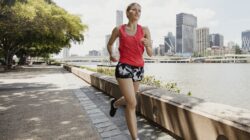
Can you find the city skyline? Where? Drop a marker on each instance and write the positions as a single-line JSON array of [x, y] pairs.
[[159, 16]]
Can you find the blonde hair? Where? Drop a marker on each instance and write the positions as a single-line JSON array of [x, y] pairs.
[[130, 6]]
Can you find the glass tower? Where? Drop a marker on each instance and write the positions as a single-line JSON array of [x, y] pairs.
[[185, 30], [216, 40], [169, 42], [246, 40]]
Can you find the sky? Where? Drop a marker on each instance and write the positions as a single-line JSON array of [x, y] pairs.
[[226, 17]]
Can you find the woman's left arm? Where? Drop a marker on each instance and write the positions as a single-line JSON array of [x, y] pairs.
[[147, 41]]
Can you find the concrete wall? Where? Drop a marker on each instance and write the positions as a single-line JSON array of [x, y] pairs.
[[1, 69], [184, 117]]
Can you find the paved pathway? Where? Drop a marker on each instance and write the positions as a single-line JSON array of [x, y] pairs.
[[50, 103]]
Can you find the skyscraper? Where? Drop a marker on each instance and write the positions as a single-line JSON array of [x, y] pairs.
[[65, 52], [231, 44], [105, 49], [216, 40], [245, 36], [161, 50], [201, 41], [94, 53], [169, 42], [119, 17], [119, 21], [185, 28], [107, 37]]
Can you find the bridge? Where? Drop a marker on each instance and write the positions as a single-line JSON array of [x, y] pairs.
[[228, 58]]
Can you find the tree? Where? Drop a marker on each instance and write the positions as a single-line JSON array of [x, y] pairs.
[[36, 28], [237, 49]]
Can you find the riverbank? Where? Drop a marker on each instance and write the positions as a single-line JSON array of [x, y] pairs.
[[186, 117]]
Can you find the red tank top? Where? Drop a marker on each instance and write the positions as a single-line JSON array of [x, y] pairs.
[[131, 49]]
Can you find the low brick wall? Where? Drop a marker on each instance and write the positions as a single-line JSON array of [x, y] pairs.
[[186, 117], [2, 69]]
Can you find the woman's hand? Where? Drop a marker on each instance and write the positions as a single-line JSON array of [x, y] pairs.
[[146, 42], [113, 59]]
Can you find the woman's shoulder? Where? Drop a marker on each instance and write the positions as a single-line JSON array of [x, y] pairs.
[[117, 28], [145, 28]]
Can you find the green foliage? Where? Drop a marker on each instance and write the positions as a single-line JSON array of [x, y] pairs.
[[88, 68], [147, 80], [104, 70], [1, 53], [107, 71], [55, 63], [172, 87], [37, 27], [237, 49], [150, 80]]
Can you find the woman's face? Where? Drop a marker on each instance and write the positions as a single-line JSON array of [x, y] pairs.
[[134, 13]]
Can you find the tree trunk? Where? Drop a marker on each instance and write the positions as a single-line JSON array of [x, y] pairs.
[[8, 60], [22, 60]]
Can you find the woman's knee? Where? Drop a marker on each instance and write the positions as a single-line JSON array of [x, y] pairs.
[[132, 103]]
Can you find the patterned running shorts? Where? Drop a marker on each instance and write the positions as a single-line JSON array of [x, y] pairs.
[[127, 71]]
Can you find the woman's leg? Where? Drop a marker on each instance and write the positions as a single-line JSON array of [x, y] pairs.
[[121, 101], [127, 89], [136, 86]]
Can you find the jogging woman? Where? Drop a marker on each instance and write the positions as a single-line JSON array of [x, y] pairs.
[[133, 40]]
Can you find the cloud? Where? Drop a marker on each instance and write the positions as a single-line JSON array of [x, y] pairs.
[[158, 15], [205, 17]]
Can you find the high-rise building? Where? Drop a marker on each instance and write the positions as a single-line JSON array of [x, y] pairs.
[[169, 42], [201, 41], [119, 21], [216, 40], [119, 17], [94, 53], [161, 50], [245, 36], [155, 51], [185, 28], [231, 44], [105, 49], [107, 37], [65, 52]]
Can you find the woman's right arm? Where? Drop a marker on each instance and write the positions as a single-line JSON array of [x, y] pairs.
[[114, 35]]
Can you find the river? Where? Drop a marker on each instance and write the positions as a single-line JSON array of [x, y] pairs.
[[222, 83]]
